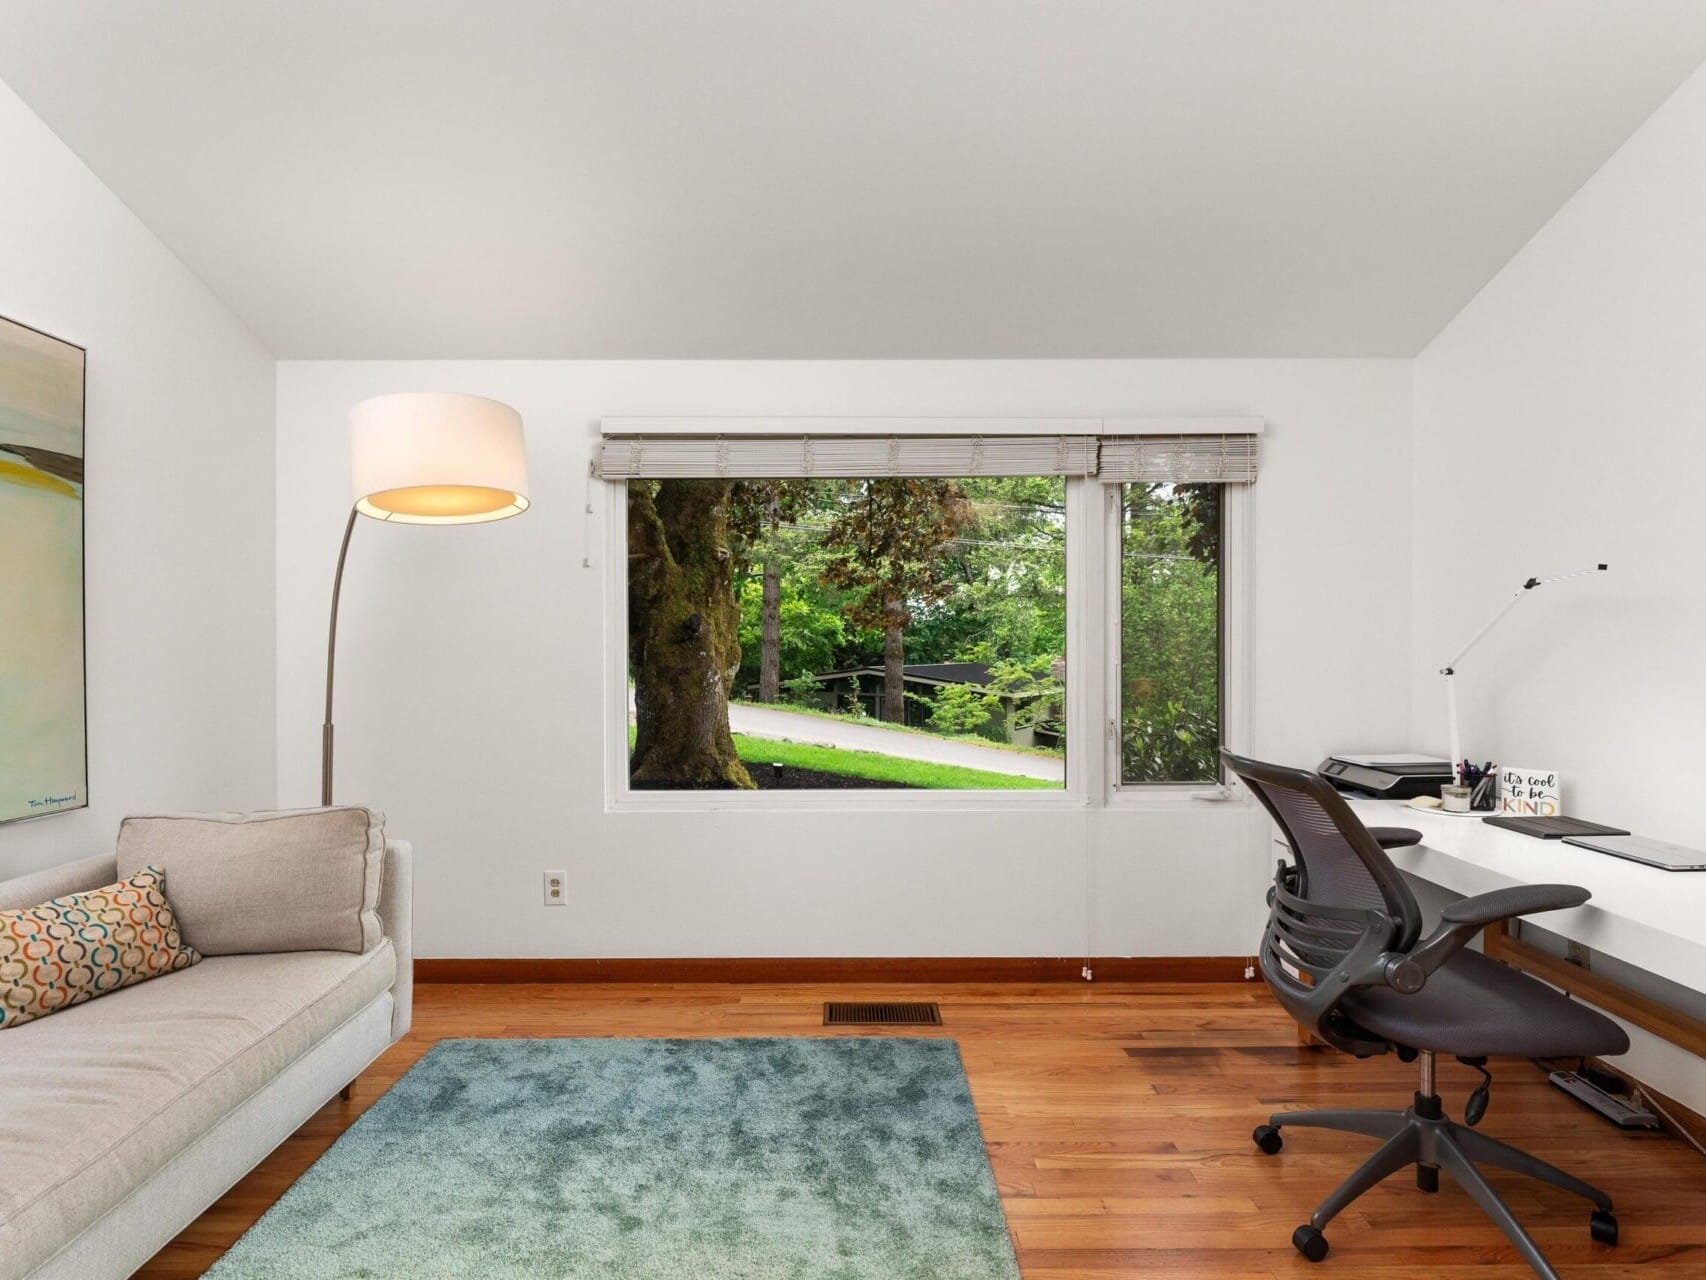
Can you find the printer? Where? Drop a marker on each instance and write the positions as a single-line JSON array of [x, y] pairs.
[[1387, 776]]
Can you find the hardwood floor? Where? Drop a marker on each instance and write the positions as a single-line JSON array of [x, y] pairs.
[[1118, 1119]]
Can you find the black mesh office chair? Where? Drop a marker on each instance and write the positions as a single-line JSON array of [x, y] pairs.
[[1343, 952]]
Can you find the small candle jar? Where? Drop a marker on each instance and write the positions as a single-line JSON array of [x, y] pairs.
[[1454, 799]]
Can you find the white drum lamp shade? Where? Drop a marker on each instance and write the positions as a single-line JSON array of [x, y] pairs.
[[437, 457], [425, 457]]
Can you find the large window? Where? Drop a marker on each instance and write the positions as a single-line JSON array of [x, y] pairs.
[[1170, 695], [896, 632], [879, 608]]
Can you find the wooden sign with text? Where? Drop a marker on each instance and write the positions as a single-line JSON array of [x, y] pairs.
[[1529, 793]]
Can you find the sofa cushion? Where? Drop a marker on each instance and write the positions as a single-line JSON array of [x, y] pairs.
[[295, 880], [60, 953], [96, 1099]]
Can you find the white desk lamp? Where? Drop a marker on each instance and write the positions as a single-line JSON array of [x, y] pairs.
[[1449, 670], [425, 457]]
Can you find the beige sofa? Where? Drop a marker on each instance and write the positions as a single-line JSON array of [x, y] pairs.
[[122, 1119]]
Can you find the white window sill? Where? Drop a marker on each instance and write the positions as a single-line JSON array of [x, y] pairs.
[[1137, 799], [1206, 797], [850, 801]]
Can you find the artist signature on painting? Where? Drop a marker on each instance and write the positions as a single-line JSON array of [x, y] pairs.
[[45, 801]]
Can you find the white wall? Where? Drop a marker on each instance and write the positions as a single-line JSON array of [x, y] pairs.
[[472, 662], [1560, 420], [179, 532]]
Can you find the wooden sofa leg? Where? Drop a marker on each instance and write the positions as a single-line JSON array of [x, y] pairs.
[[346, 1091]]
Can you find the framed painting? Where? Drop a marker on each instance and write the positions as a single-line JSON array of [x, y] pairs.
[[44, 757]]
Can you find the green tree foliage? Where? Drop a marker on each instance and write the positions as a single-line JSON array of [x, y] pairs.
[[813, 631], [1002, 591], [963, 708], [787, 541], [757, 510], [1008, 566], [1170, 633], [1038, 691], [976, 569], [887, 544], [802, 690], [1035, 693]]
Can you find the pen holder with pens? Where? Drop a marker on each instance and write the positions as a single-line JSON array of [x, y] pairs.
[[1477, 792]]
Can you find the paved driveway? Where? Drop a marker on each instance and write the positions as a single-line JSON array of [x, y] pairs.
[[769, 722]]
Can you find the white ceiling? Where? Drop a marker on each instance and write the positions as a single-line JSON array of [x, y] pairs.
[[846, 178]]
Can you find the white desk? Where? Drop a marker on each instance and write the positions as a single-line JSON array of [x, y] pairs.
[[1652, 919], [1648, 919]]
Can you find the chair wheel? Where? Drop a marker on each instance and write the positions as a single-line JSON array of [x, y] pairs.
[[1603, 1224], [1268, 1139], [1309, 1242]]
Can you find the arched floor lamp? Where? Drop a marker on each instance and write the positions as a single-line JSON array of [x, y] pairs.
[[425, 457]]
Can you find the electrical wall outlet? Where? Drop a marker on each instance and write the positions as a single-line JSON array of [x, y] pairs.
[[556, 888]]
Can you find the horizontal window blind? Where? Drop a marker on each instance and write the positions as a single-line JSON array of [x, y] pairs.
[[1178, 459], [1171, 458], [757, 457]]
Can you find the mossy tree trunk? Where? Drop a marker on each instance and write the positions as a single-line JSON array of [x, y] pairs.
[[894, 662], [683, 635], [770, 636]]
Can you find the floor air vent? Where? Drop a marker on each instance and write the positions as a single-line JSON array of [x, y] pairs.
[[837, 1013]]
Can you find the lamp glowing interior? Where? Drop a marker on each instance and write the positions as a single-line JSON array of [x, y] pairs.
[[442, 504], [437, 458]]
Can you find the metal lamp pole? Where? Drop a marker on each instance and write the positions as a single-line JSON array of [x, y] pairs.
[[1449, 670], [331, 664]]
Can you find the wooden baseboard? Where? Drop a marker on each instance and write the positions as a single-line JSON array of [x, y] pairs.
[[848, 969], [1689, 1122]]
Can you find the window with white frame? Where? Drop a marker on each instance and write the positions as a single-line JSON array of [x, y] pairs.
[[892, 614], [1171, 642]]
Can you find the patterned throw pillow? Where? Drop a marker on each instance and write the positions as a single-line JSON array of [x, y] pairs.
[[87, 944]]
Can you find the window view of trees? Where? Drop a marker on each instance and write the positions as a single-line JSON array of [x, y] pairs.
[[905, 632], [1170, 633], [832, 633]]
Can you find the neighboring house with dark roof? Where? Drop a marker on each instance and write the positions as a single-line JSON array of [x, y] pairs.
[[864, 685]]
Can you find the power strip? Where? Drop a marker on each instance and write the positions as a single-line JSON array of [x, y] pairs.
[[1619, 1112]]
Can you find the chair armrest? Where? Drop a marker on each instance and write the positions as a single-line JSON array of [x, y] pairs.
[[1462, 920], [396, 912], [1395, 837], [1518, 900]]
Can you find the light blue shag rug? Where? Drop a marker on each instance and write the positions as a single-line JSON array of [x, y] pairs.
[[772, 1159]]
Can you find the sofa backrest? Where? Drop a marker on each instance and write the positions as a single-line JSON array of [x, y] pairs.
[[55, 882]]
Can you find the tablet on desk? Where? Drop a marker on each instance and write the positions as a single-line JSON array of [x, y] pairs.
[[1553, 826], [1655, 853]]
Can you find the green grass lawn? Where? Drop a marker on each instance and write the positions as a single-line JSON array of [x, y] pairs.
[[842, 717], [881, 768], [877, 768]]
